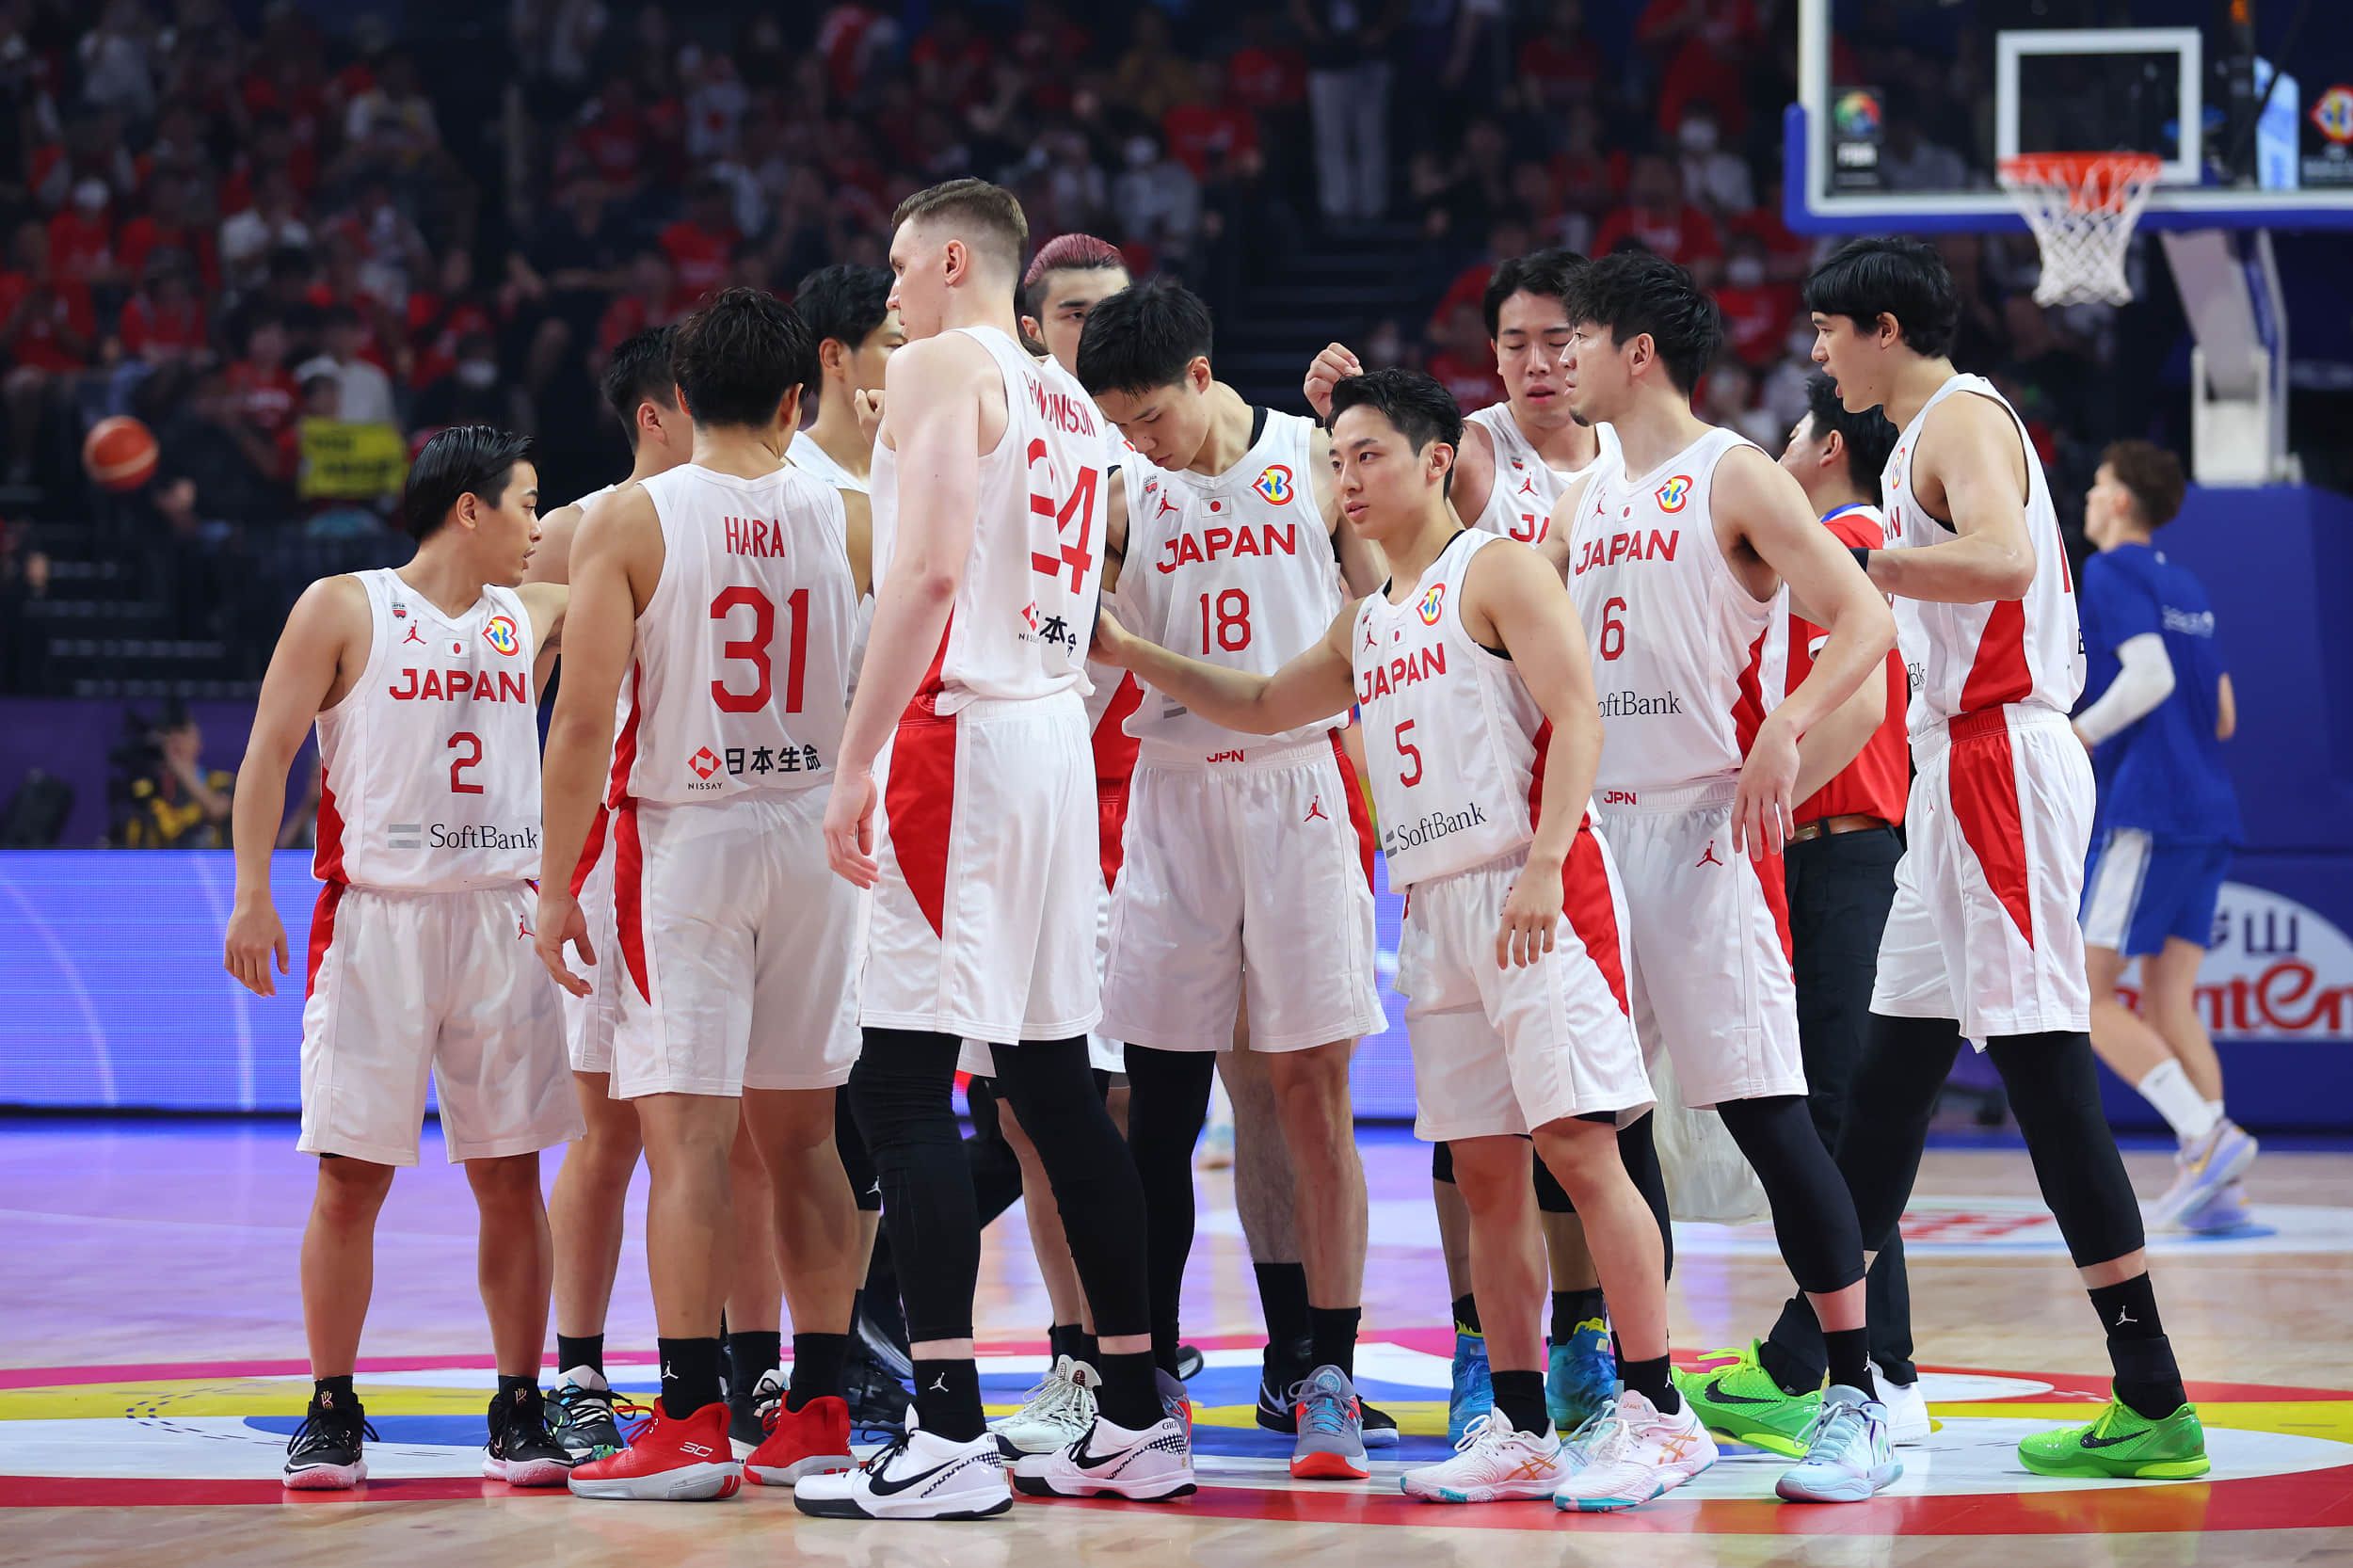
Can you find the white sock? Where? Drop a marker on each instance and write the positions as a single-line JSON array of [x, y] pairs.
[[2168, 1088], [2214, 1107]]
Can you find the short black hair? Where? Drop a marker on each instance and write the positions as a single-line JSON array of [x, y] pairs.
[[463, 460], [1143, 337], [639, 372], [1414, 401], [1634, 292], [1868, 437], [738, 357], [1877, 276], [1550, 274], [843, 303], [2151, 475]]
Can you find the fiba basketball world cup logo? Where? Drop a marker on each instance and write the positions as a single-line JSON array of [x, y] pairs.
[[500, 635], [1674, 492], [1274, 485], [1431, 604]]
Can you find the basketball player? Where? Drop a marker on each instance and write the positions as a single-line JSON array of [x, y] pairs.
[[1676, 561], [592, 1185], [2168, 820], [989, 506], [1246, 868], [419, 680], [1517, 458], [1481, 739], [1841, 878], [1982, 940], [736, 578]]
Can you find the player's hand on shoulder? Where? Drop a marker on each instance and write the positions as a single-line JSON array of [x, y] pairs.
[[1762, 805], [1329, 369], [559, 921], [868, 408], [850, 827], [1531, 915], [255, 938]]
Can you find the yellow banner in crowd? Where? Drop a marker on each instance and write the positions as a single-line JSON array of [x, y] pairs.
[[351, 462]]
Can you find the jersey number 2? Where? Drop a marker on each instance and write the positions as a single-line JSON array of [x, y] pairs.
[[472, 743], [753, 650]]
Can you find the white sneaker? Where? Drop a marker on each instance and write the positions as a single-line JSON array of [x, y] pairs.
[[1054, 1415], [919, 1477], [1149, 1467], [1908, 1423], [1848, 1458], [1633, 1455], [1493, 1463]]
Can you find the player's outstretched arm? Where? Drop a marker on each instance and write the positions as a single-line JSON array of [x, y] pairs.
[[1336, 364], [602, 629], [551, 557], [1970, 449], [1756, 499], [1317, 684], [933, 389], [546, 603], [327, 636], [1512, 600]]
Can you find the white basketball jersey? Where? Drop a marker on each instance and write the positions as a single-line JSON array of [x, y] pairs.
[[1025, 613], [1686, 661], [586, 501], [1519, 504], [742, 672], [430, 766], [1453, 740], [1237, 569], [1967, 658], [817, 463]]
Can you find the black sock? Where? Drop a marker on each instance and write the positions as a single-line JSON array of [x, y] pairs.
[[1520, 1396], [690, 1375], [947, 1398], [1850, 1356], [748, 1355], [509, 1388], [1066, 1339], [1282, 1299], [333, 1394], [1090, 1348], [580, 1349], [1466, 1315], [1650, 1379], [1130, 1398], [817, 1363], [1789, 1375], [1333, 1330], [1572, 1307], [2147, 1377]]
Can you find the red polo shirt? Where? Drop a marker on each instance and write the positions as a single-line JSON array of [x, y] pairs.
[[1876, 782]]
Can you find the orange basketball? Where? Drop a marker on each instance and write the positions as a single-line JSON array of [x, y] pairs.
[[119, 453]]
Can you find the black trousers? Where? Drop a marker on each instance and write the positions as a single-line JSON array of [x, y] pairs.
[[1840, 887]]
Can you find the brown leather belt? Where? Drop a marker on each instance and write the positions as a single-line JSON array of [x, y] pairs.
[[1830, 828]]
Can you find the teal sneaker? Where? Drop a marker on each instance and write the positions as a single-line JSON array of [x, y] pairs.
[[1580, 1376], [1473, 1394]]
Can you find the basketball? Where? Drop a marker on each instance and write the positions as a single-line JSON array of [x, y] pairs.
[[118, 454]]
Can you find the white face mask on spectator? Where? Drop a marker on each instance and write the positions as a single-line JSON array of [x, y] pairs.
[[1698, 135], [1745, 272], [478, 372]]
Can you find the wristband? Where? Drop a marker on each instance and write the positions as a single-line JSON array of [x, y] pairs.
[[1862, 555]]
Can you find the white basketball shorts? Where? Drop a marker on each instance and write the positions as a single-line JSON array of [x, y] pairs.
[[588, 1020]]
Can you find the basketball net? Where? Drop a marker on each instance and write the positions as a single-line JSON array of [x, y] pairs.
[[2082, 207]]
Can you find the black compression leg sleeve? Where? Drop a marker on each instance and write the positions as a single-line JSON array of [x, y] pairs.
[[1642, 1164], [1905, 1063], [901, 1088], [1814, 1219], [1168, 1099], [1442, 1163], [858, 1163], [996, 1169], [2053, 1091]]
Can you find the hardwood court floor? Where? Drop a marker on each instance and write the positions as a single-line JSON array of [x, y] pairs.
[[151, 1345]]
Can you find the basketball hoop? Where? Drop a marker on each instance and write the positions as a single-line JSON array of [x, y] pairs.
[[2082, 207]]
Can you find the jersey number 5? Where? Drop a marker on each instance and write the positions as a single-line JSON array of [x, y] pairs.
[[753, 650], [1080, 504]]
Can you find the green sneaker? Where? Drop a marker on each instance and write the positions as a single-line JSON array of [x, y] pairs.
[[1736, 1400], [2122, 1443]]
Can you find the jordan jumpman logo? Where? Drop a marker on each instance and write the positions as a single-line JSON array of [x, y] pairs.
[[1708, 857], [939, 1385], [412, 636], [1315, 809]]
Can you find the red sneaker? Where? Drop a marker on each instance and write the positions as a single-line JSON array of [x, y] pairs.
[[667, 1460], [813, 1440]]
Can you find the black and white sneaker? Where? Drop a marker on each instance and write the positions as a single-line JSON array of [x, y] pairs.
[[751, 1412], [326, 1451], [580, 1416], [917, 1477], [1153, 1465], [522, 1451]]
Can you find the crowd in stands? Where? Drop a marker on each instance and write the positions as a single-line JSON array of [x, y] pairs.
[[295, 244]]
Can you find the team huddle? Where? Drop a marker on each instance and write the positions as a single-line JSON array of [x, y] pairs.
[[1017, 717]]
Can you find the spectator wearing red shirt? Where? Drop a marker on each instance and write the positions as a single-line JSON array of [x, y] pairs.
[[645, 303], [1590, 179], [265, 390], [1561, 66], [1463, 359], [162, 322], [1265, 74], [1756, 310], [1702, 46], [439, 319], [273, 147], [82, 236], [700, 247], [611, 140], [951, 60], [1657, 215], [165, 227], [1051, 52], [1207, 134], [46, 330]]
